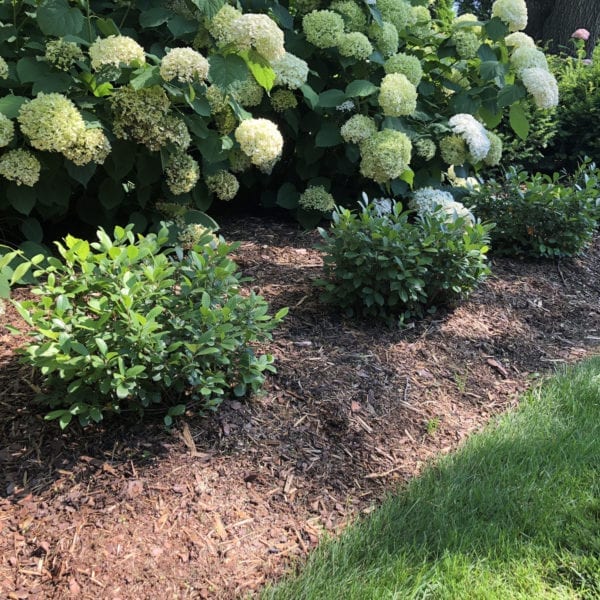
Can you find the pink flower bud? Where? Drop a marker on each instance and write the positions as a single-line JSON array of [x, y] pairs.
[[581, 34]]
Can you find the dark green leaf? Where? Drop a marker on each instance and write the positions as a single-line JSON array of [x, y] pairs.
[[226, 70], [312, 98], [282, 16], [510, 94], [496, 29], [146, 77], [331, 98], [154, 17], [81, 174], [110, 194], [107, 27], [329, 135], [32, 230], [180, 26], [57, 18], [22, 198], [360, 89], [209, 8], [10, 105], [518, 121], [287, 196]]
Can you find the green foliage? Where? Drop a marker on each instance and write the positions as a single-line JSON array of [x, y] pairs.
[[394, 266], [540, 215], [121, 325]]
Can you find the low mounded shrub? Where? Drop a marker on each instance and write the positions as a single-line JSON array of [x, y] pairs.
[[538, 215], [387, 263], [121, 325]]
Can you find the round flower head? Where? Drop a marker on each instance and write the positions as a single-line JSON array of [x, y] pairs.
[[116, 50], [260, 140], [195, 234], [316, 197], [182, 173], [422, 19], [528, 58], [385, 38], [428, 201], [385, 155], [468, 18], [216, 99], [91, 146], [518, 39], [494, 156], [238, 161], [7, 130], [581, 34], [323, 28], [259, 32], [247, 92], [397, 12], [3, 69], [355, 45], [407, 65], [176, 131], [542, 86], [226, 121], [62, 55], [353, 15], [453, 150], [358, 128], [512, 12], [51, 122], [466, 42], [473, 132], [303, 7], [425, 148], [185, 65], [397, 96], [223, 184], [220, 25], [282, 100], [20, 166], [290, 71]]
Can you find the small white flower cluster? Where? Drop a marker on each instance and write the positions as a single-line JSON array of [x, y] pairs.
[[185, 65], [512, 12], [7, 130], [290, 71], [358, 128], [3, 68], [397, 95], [316, 197], [260, 140], [259, 32], [346, 106], [474, 134], [116, 50], [20, 166], [429, 201]]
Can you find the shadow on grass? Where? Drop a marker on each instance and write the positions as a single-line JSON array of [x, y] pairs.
[[514, 514]]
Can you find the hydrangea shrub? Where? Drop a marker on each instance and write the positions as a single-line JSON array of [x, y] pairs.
[[109, 112]]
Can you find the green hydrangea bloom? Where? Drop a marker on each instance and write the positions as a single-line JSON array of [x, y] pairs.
[[425, 148], [62, 55], [247, 92], [202, 39], [453, 150], [355, 45], [323, 28], [385, 155], [358, 128], [353, 15], [260, 140], [220, 25], [528, 58], [469, 18], [223, 184], [238, 161], [176, 132], [385, 38], [20, 166], [116, 50], [303, 7], [397, 95], [494, 156], [91, 146], [466, 42], [185, 65], [316, 197], [282, 100], [192, 233], [7, 130], [226, 120], [397, 12], [518, 39], [216, 98], [259, 32], [290, 71], [51, 122], [182, 173], [407, 65], [3, 69]]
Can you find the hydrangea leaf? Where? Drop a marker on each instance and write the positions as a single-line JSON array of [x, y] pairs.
[[360, 89], [260, 69], [329, 135], [57, 18], [10, 105], [518, 121], [226, 70], [510, 94], [209, 8], [331, 98]]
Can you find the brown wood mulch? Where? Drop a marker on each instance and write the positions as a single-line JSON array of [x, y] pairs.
[[228, 502]]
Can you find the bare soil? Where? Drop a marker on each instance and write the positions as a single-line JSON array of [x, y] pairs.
[[225, 503]]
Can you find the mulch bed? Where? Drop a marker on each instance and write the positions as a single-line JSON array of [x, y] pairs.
[[227, 502]]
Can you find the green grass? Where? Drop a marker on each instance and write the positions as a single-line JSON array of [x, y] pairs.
[[514, 514]]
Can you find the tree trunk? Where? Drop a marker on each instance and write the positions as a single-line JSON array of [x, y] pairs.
[[553, 21]]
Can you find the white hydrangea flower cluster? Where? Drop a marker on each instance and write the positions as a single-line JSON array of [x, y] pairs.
[[397, 12], [518, 39], [290, 71], [223, 184], [259, 32], [323, 28], [3, 68], [358, 128], [51, 122], [494, 156], [542, 86], [62, 55], [528, 58], [20, 166], [247, 92], [428, 201], [474, 134], [471, 19], [353, 15], [238, 161], [346, 106], [512, 12], [385, 37], [385, 155], [316, 197], [381, 206], [260, 140], [182, 173], [397, 95], [7, 130], [185, 65], [116, 50], [355, 45], [466, 42], [453, 150], [91, 146], [220, 25], [425, 148], [407, 65]]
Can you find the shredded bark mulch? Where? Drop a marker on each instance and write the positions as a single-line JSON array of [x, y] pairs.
[[225, 503]]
